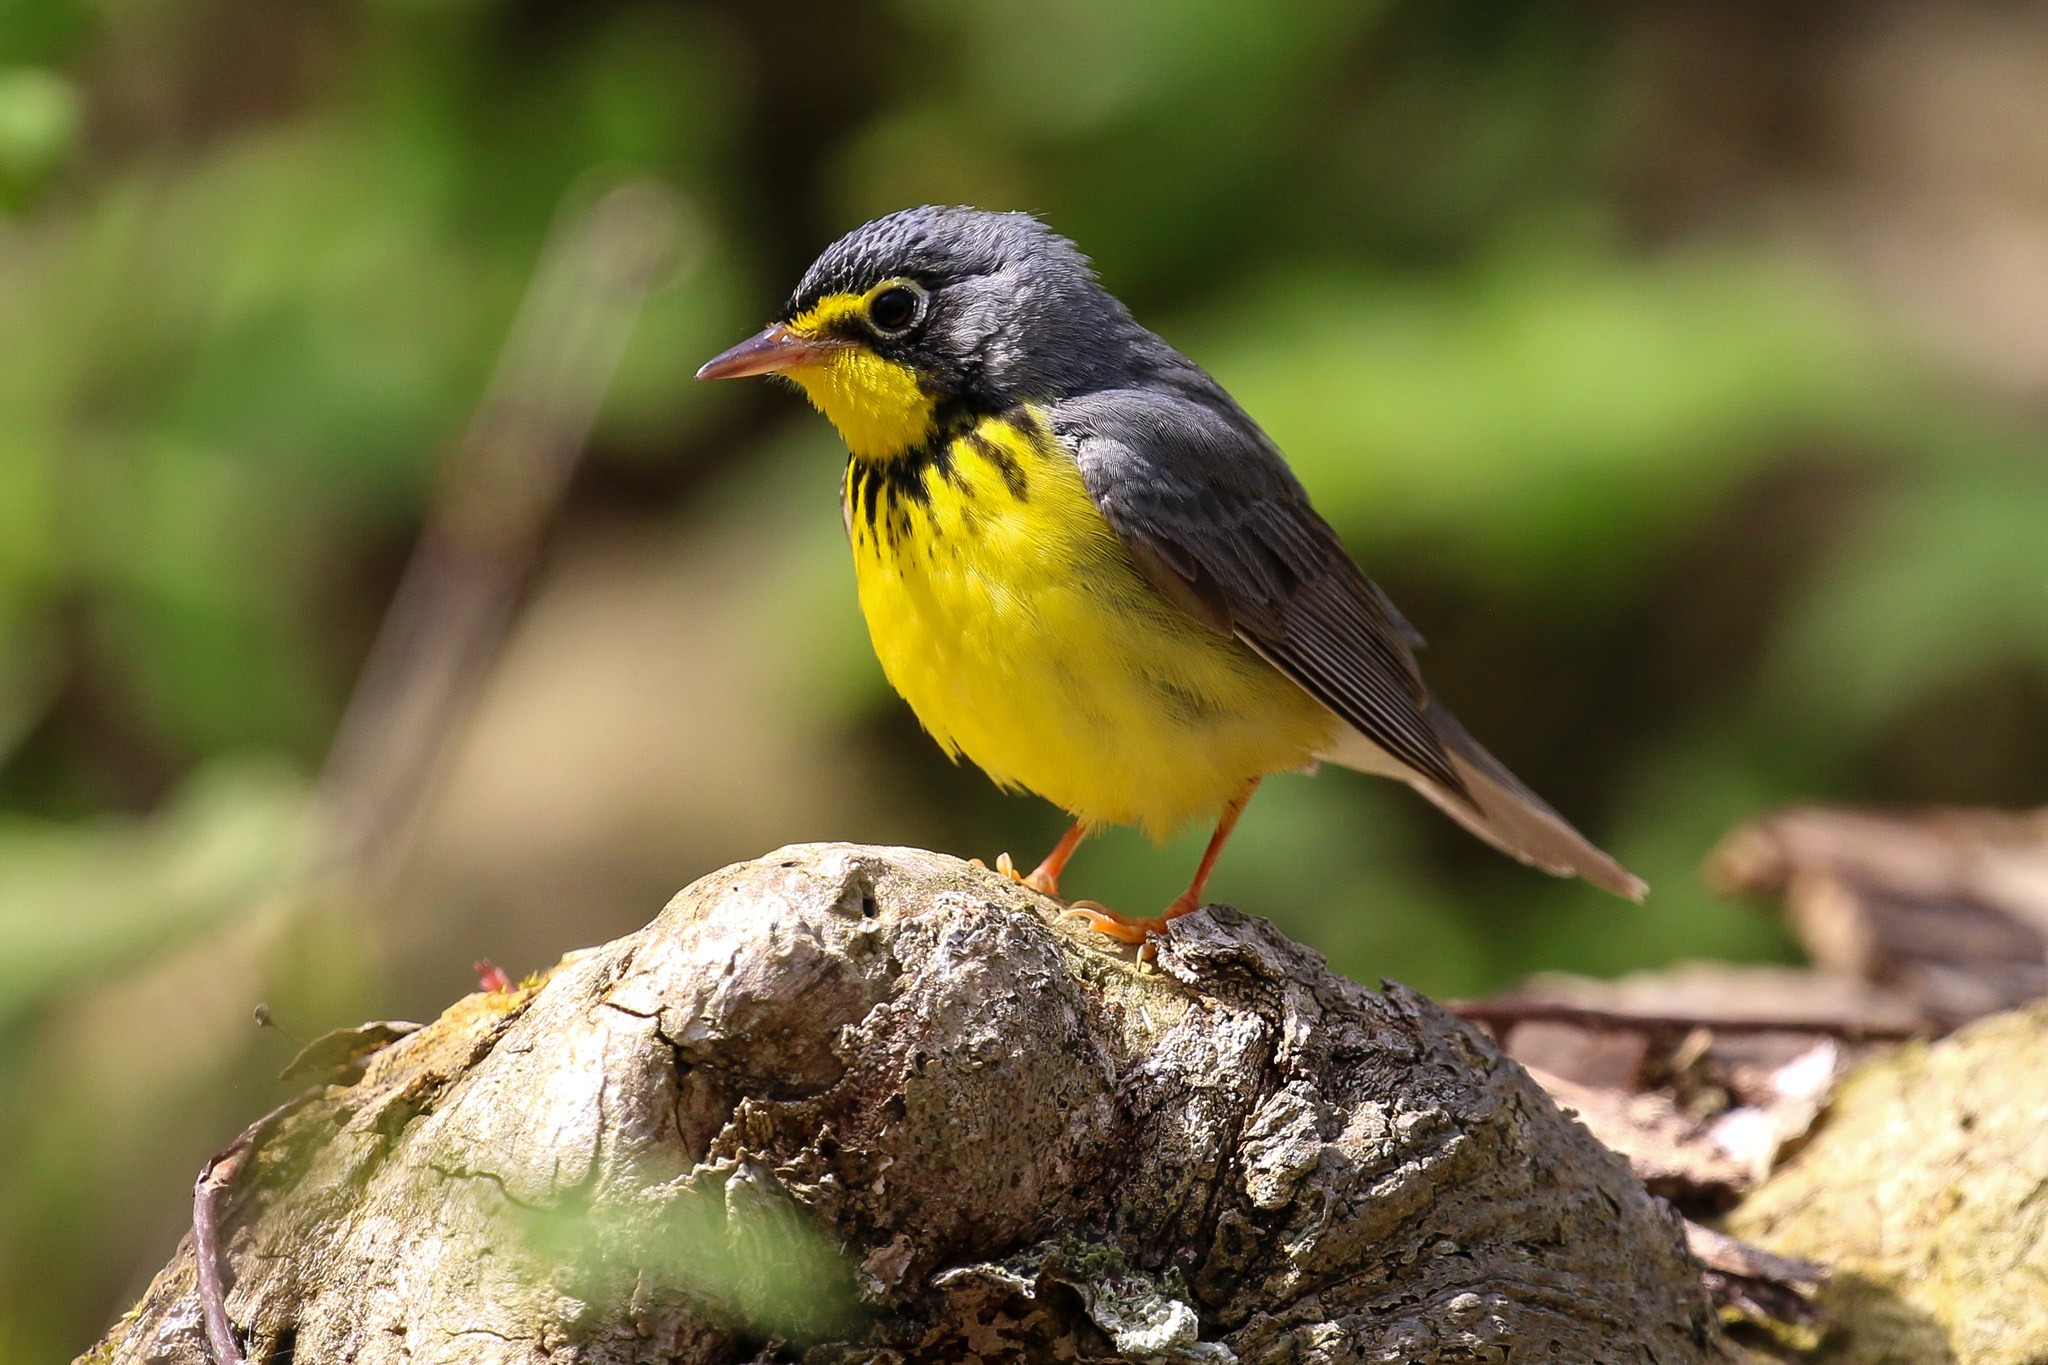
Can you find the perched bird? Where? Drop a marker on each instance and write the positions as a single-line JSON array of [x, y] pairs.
[[1088, 570]]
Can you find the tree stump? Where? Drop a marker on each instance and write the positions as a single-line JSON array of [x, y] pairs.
[[866, 1104]]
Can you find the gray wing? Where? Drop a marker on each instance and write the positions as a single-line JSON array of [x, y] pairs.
[[1214, 518]]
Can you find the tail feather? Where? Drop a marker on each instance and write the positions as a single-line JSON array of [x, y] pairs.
[[1496, 806]]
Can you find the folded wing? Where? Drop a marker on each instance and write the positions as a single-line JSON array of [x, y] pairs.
[[1214, 518]]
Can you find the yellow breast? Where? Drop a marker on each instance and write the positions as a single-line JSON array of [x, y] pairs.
[[1007, 613]]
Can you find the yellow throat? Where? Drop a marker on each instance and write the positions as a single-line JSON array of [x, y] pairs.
[[879, 407]]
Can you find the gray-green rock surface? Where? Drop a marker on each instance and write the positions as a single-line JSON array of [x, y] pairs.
[[1927, 1191]]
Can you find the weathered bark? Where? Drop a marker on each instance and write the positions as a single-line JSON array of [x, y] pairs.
[[876, 1104]]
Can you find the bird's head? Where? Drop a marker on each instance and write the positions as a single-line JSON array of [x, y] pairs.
[[932, 314]]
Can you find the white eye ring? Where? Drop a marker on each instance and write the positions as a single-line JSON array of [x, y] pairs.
[[893, 291]]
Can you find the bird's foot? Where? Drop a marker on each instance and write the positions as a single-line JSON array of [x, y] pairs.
[[1043, 882], [1127, 928]]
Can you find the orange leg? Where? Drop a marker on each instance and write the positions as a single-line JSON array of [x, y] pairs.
[[1128, 930], [1045, 878]]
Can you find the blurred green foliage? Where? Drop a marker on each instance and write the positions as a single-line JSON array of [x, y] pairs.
[[730, 1242], [1696, 522], [85, 899]]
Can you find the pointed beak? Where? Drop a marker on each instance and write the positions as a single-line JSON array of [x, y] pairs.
[[771, 352]]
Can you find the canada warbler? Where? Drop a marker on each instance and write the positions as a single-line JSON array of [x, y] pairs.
[[1088, 570]]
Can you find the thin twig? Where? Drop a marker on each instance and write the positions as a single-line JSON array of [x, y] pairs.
[[456, 600], [215, 1177], [1503, 1014], [1759, 1285]]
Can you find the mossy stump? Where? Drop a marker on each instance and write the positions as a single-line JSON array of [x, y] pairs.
[[848, 1103]]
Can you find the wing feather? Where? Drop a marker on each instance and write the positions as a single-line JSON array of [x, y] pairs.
[[1212, 515]]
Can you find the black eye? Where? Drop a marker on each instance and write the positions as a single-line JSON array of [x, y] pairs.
[[893, 310]]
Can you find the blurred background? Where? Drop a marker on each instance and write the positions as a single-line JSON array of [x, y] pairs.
[[1679, 366]]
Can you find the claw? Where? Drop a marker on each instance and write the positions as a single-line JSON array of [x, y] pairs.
[[1126, 928], [1041, 881], [1110, 924]]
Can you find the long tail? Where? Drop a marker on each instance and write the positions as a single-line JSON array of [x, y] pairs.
[[1502, 811]]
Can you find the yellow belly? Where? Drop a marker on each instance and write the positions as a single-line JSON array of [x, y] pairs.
[[1007, 613]]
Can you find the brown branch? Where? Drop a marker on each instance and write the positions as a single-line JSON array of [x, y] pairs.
[[221, 1171], [1505, 1014]]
